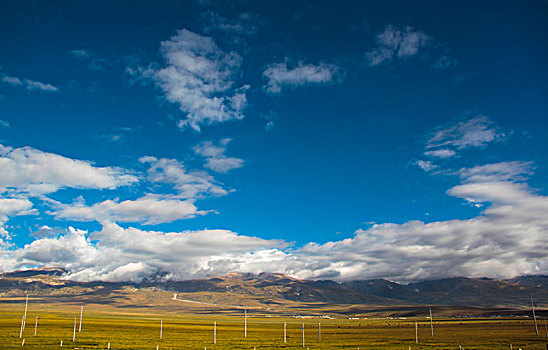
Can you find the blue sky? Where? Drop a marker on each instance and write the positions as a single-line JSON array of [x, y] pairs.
[[349, 141]]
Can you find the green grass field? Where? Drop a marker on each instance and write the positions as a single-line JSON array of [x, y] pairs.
[[140, 329]]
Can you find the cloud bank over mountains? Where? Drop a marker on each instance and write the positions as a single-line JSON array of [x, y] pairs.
[[506, 239]]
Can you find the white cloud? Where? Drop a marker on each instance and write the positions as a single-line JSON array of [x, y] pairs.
[[48, 232], [498, 192], [426, 165], [474, 132], [215, 158], [200, 78], [223, 164], [507, 239], [134, 272], [397, 43], [280, 76], [27, 172], [188, 184], [12, 207], [71, 250], [139, 254], [30, 170], [503, 171], [28, 84], [149, 210], [441, 153]]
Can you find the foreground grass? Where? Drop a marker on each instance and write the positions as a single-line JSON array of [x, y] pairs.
[[141, 330]]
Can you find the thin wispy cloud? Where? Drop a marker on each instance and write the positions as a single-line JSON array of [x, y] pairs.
[[474, 132], [280, 76], [27, 84], [445, 142], [504, 171], [94, 62], [245, 24], [270, 125], [117, 134], [444, 62], [441, 153]]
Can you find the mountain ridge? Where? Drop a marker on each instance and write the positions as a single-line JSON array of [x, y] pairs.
[[277, 289]]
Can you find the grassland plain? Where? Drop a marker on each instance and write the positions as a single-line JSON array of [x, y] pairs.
[[136, 328]]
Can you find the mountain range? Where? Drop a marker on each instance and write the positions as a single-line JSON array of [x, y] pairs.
[[271, 291]]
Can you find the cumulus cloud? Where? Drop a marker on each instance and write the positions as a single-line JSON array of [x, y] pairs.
[[27, 84], [13, 206], [280, 76], [149, 210], [71, 250], [215, 158], [140, 254], [187, 184], [30, 170], [27, 172], [200, 78], [397, 43], [174, 192], [474, 132]]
